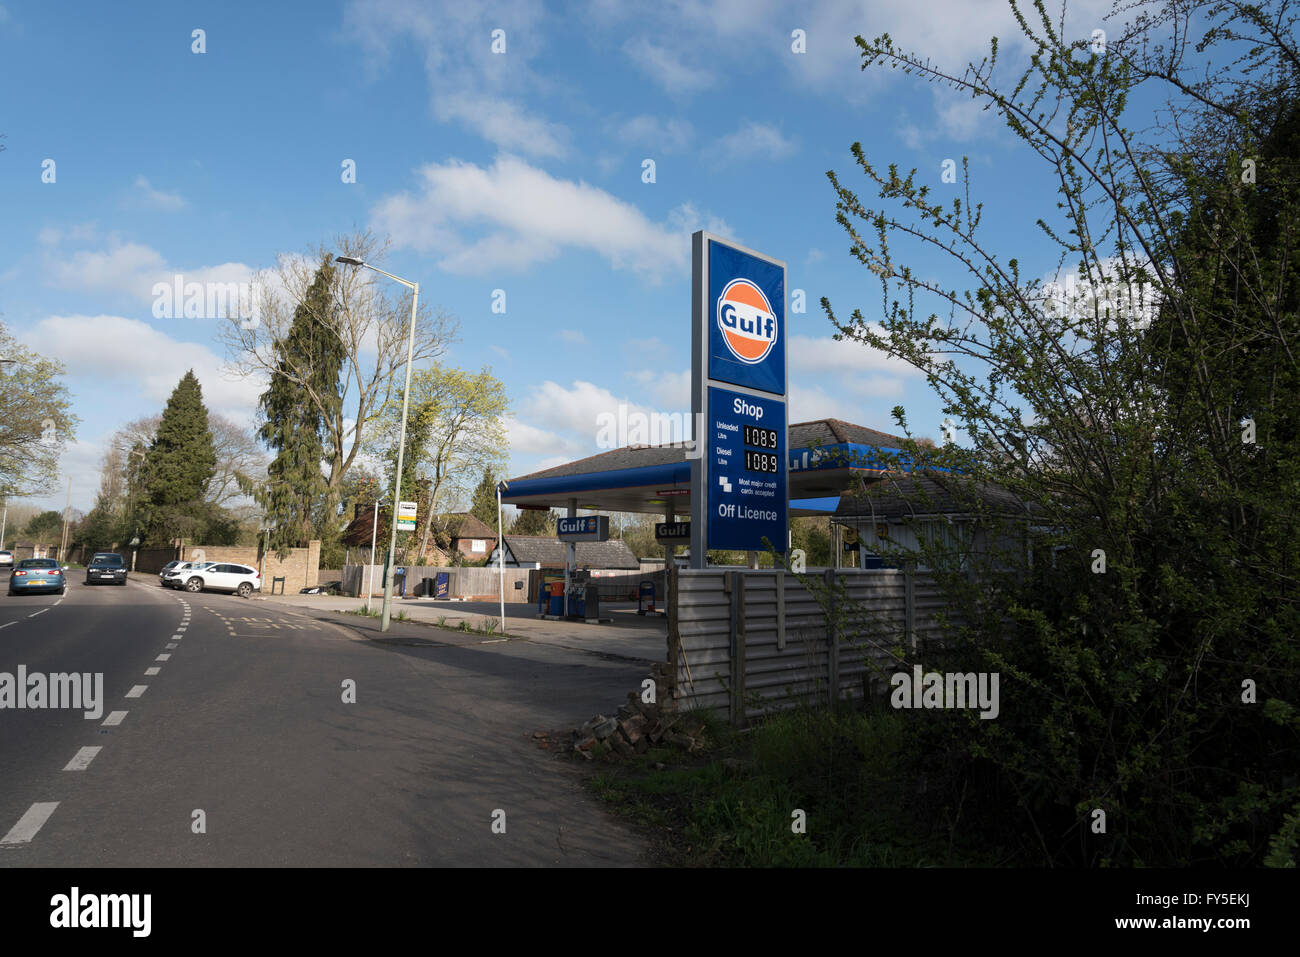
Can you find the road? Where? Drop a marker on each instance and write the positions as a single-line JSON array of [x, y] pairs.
[[230, 713]]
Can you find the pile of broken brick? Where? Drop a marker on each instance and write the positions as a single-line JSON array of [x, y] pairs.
[[638, 725]]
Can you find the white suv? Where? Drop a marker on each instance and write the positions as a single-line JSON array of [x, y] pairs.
[[219, 576], [178, 573]]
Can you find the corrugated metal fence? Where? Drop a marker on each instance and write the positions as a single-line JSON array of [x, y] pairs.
[[463, 581], [748, 642]]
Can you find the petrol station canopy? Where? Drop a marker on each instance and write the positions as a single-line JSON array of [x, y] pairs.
[[827, 457]]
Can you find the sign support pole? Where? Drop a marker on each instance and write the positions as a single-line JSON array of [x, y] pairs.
[[570, 556]]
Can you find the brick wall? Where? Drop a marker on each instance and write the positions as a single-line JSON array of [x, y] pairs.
[[300, 568], [466, 547]]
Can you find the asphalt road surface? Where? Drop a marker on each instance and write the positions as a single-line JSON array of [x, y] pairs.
[[230, 714]]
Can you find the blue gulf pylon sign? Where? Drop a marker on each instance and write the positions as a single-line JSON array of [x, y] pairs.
[[739, 475]]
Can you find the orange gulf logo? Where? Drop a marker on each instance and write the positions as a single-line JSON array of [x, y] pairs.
[[746, 321]]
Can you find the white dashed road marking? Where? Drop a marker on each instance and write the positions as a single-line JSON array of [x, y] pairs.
[[8, 623], [136, 691], [114, 718], [162, 658], [41, 612], [171, 644], [81, 760], [30, 823], [152, 671]]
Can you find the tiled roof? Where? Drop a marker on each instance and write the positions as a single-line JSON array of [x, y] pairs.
[[896, 496], [549, 552], [468, 525]]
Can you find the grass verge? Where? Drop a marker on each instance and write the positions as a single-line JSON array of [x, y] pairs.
[[735, 803]]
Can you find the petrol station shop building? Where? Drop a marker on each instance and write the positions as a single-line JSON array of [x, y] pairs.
[[827, 459]]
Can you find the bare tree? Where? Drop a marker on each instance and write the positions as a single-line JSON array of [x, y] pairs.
[[370, 315], [238, 454]]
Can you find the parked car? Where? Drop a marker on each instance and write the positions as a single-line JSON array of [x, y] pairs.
[[219, 576], [106, 567], [165, 569], [37, 575], [7, 560], [173, 577], [324, 588]]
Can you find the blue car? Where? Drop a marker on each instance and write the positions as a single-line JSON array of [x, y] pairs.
[[37, 575]]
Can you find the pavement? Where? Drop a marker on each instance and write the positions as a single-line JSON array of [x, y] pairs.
[[237, 732], [629, 635]]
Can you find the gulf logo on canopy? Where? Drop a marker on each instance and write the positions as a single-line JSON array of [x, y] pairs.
[[747, 321]]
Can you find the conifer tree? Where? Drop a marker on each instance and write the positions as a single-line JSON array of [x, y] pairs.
[[293, 424]]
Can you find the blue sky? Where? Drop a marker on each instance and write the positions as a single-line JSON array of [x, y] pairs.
[[519, 171]]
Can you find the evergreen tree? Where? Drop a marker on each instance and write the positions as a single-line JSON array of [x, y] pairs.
[[483, 506], [533, 522], [178, 465], [305, 380], [45, 527]]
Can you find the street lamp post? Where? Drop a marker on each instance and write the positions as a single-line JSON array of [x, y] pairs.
[[386, 614], [501, 559]]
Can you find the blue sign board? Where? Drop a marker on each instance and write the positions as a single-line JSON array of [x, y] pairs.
[[588, 528], [746, 448], [739, 472], [746, 319]]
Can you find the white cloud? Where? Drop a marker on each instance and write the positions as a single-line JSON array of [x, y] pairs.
[[531, 440], [816, 356], [157, 197], [468, 82], [809, 402], [752, 141], [550, 462], [850, 368], [741, 39], [505, 123], [512, 215], [126, 354], [665, 66], [574, 336], [580, 412], [671, 390], [670, 135], [126, 268], [78, 232]]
